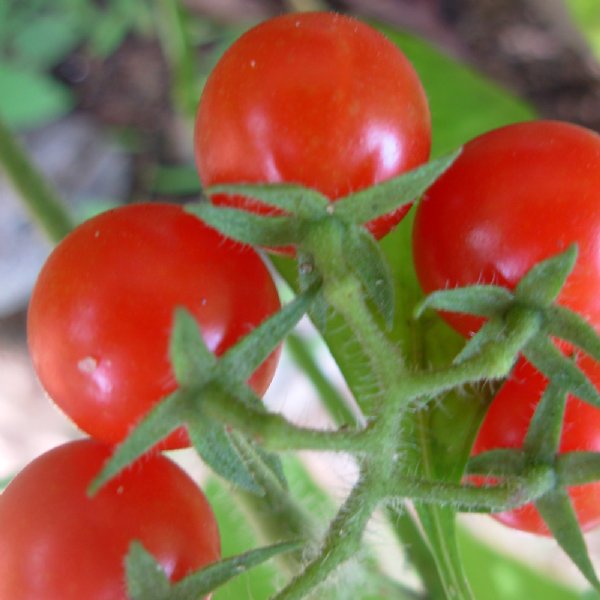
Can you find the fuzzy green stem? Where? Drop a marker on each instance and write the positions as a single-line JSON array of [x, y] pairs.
[[515, 492], [343, 540], [274, 432], [493, 362], [40, 199]]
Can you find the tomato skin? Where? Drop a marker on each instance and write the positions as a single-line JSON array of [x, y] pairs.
[[515, 196], [58, 544], [318, 99], [101, 312], [506, 424]]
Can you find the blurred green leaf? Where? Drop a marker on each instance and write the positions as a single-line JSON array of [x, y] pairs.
[[463, 103], [495, 576], [48, 39], [586, 16], [30, 99]]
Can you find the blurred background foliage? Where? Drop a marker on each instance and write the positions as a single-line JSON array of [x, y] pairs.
[[103, 94]]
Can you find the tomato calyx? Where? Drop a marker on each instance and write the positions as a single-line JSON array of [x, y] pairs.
[[206, 381], [533, 296], [323, 232]]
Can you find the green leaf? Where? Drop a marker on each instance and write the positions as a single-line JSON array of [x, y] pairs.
[[571, 327], [497, 576], [192, 361], [293, 199], [145, 578], [558, 513], [365, 258], [30, 99], [383, 198], [543, 282], [247, 227], [250, 352], [44, 41], [463, 103], [480, 300], [542, 441], [548, 359], [213, 443]]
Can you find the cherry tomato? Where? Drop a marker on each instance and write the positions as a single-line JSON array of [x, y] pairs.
[[515, 196], [59, 544], [506, 425], [102, 309], [318, 99]]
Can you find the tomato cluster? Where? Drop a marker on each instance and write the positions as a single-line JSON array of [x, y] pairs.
[[515, 196], [315, 99]]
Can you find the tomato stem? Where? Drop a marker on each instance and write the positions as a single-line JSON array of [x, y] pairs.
[[40, 199]]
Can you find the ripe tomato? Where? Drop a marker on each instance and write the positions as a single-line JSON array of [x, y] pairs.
[[102, 311], [515, 196], [318, 99], [506, 424], [59, 544]]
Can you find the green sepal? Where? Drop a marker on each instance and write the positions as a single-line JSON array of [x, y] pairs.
[[557, 511], [482, 300], [388, 196], [557, 367], [254, 455], [147, 581], [577, 468], [543, 282], [502, 462], [213, 443], [309, 276], [542, 441], [251, 351], [247, 227], [192, 361], [365, 259], [571, 327], [154, 427], [490, 332], [293, 199]]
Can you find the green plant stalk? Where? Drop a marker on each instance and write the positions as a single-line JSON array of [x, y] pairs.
[[178, 49], [332, 400], [40, 199], [342, 541], [277, 516], [274, 432], [497, 498]]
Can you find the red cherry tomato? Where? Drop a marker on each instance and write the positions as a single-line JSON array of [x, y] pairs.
[[101, 312], [318, 99], [515, 196], [506, 425], [59, 544]]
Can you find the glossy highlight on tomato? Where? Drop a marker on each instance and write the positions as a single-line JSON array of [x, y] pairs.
[[102, 310], [506, 424], [515, 196], [318, 99], [59, 544]]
